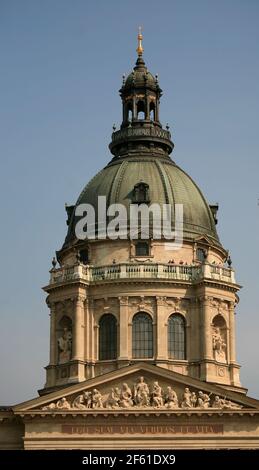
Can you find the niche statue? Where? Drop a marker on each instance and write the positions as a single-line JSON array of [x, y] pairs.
[[65, 346]]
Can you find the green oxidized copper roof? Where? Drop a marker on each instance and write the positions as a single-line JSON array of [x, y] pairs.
[[168, 184]]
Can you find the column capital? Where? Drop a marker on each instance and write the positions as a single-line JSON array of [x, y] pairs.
[[78, 299], [160, 300], [51, 304], [205, 299], [123, 300]]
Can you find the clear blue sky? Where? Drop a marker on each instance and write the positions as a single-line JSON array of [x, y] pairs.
[[61, 67]]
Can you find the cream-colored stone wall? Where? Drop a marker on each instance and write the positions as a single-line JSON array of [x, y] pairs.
[[11, 432], [159, 300], [195, 432], [106, 252]]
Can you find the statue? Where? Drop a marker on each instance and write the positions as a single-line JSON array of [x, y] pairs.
[[203, 400], [157, 399], [222, 403], [126, 396], [193, 399], [88, 399], [171, 398], [65, 346], [186, 402], [79, 402], [51, 406], [141, 393], [97, 399], [219, 345], [113, 400], [63, 404]]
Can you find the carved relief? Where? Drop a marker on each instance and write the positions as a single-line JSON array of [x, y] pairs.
[[141, 393], [219, 305], [126, 397], [142, 396], [186, 401], [224, 404], [97, 399], [61, 404], [203, 400], [114, 398], [156, 395], [176, 303], [171, 399], [106, 303]]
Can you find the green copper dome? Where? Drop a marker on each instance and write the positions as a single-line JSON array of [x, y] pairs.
[[140, 77], [167, 183]]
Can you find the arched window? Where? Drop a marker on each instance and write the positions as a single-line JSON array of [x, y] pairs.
[[107, 337], [152, 111], [140, 193], [141, 110], [142, 336], [176, 337]]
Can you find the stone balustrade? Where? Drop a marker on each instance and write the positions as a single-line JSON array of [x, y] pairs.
[[190, 273]]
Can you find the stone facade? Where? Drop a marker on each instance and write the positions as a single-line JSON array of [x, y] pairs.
[[181, 387], [139, 406], [203, 293]]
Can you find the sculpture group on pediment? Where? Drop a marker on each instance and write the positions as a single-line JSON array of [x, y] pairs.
[[142, 396]]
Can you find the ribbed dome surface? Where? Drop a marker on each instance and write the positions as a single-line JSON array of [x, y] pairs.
[[168, 184], [140, 78]]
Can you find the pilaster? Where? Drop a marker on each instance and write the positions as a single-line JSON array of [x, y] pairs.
[[161, 331], [123, 329]]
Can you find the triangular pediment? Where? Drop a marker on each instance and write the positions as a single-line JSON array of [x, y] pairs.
[[202, 239], [136, 387]]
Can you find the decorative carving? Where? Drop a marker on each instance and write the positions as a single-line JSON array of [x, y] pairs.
[[221, 371], [171, 399], [65, 346], [141, 393], [143, 398], [219, 345], [203, 400], [79, 402], [123, 300], [114, 398], [61, 404], [126, 396], [88, 399], [193, 400], [224, 404], [161, 301], [97, 399], [141, 303], [157, 399], [186, 402]]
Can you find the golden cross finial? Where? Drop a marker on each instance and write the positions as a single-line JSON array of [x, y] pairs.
[[140, 49]]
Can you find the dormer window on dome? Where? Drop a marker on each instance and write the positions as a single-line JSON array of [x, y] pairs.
[[141, 193]]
